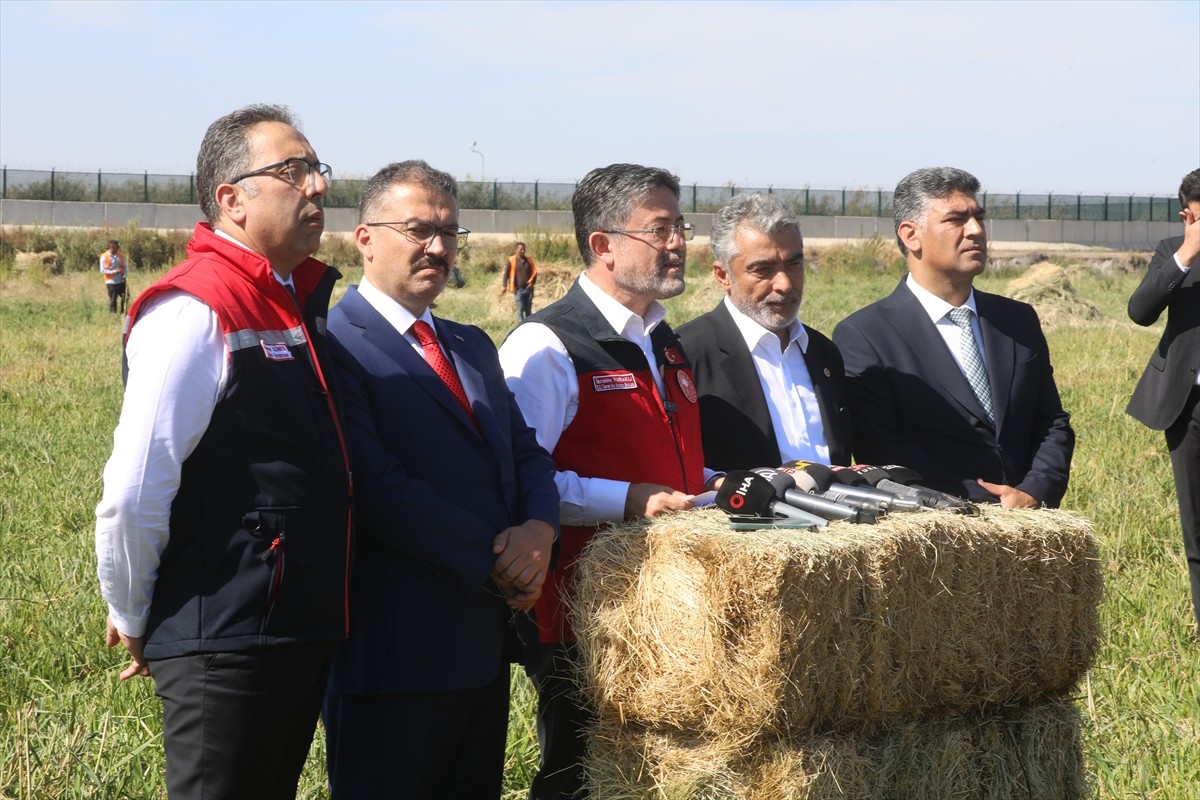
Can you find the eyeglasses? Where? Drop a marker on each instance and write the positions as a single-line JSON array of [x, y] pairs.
[[295, 170], [664, 233], [422, 233]]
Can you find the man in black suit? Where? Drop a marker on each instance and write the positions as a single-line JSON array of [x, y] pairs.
[[953, 382], [457, 513], [1167, 398], [770, 388]]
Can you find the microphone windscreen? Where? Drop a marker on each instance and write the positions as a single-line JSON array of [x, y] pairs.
[[820, 473], [743, 492], [902, 474], [848, 476], [871, 474]]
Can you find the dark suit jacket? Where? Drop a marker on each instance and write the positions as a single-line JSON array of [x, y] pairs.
[[735, 423], [911, 404], [1171, 374], [432, 492]]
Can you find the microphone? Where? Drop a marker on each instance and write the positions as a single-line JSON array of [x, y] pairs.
[[906, 483], [785, 489], [821, 479], [743, 493], [892, 501]]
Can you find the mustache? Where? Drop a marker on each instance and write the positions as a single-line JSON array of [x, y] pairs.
[[428, 262], [782, 298], [667, 260]]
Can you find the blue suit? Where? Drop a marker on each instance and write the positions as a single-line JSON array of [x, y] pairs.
[[432, 491], [911, 405]]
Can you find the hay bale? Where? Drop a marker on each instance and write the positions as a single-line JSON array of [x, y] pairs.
[[685, 624], [1030, 753], [43, 264], [1048, 289]]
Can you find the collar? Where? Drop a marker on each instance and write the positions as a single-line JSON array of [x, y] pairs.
[[284, 281], [934, 306], [754, 333], [620, 317], [397, 315]]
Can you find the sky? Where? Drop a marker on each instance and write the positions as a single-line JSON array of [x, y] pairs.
[[1080, 96]]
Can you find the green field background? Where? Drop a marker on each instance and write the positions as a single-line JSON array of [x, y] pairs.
[[70, 729]]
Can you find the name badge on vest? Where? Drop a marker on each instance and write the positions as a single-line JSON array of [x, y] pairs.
[[621, 381], [277, 352]]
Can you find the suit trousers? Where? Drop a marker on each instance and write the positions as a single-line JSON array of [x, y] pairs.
[[1183, 441], [563, 717], [420, 746], [238, 725]]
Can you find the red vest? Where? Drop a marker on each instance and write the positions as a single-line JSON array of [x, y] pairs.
[[623, 429], [259, 543]]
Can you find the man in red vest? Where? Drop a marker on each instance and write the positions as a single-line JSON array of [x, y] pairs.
[[229, 461], [605, 383]]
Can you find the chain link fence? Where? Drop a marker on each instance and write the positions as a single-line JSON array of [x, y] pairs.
[[115, 187]]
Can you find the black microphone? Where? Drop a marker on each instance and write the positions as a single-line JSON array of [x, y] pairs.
[[906, 482], [892, 501], [785, 489], [820, 479], [743, 493]]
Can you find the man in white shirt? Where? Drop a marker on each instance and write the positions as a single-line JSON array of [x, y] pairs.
[[603, 380], [228, 460], [770, 387], [948, 380]]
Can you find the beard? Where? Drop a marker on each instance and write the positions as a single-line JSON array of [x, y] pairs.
[[768, 313], [659, 284]]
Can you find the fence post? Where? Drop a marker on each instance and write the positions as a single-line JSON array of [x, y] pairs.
[[1079, 207], [1018, 205], [879, 202], [843, 201], [693, 197], [1106, 208], [191, 187], [495, 193], [98, 184], [52, 184], [4, 190], [806, 201], [1049, 205], [535, 195], [146, 186], [1130, 212]]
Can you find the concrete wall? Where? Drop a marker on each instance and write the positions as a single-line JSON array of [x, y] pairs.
[[1119, 235]]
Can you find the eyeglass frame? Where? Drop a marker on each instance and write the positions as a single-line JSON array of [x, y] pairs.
[[317, 167], [460, 240], [686, 231]]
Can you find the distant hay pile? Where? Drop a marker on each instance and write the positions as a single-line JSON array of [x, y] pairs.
[[801, 654], [1048, 289]]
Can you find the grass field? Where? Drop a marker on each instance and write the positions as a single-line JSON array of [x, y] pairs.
[[70, 729]]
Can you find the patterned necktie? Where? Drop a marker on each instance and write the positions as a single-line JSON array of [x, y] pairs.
[[441, 365], [972, 363]]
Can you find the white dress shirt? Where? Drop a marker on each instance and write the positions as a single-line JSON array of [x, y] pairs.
[[541, 375], [178, 369], [939, 310], [787, 386], [401, 318]]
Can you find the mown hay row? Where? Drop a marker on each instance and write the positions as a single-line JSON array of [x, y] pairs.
[[685, 624], [1028, 753]]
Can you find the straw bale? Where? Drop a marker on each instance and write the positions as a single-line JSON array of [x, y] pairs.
[[1030, 753], [685, 624], [1048, 289]]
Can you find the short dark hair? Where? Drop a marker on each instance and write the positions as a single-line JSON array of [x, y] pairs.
[[916, 189], [607, 196], [1189, 189], [519, 244], [414, 171], [114, 241], [225, 151]]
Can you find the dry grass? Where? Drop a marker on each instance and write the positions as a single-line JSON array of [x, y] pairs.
[[1047, 287], [1030, 753], [686, 625]]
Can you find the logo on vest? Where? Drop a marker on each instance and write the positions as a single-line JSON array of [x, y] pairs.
[[673, 355], [620, 382], [276, 352], [686, 385]]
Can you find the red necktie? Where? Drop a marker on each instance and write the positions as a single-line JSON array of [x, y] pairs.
[[441, 365]]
